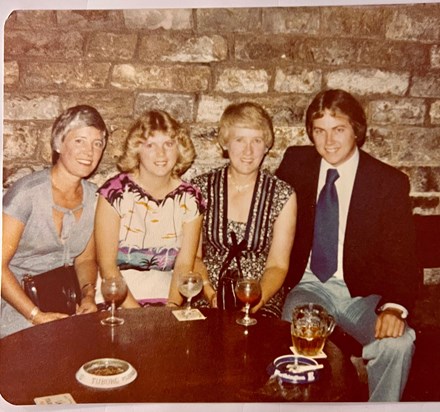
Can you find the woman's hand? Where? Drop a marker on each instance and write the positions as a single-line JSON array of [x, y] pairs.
[[258, 306], [44, 317], [210, 294], [213, 301], [87, 305]]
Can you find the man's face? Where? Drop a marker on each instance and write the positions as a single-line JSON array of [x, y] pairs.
[[334, 138]]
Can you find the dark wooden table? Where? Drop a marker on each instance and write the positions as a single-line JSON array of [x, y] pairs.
[[211, 360]]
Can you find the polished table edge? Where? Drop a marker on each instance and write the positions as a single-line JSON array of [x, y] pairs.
[[213, 314]]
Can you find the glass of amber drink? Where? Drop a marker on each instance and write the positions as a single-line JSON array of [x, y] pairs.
[[311, 325], [114, 290], [249, 292]]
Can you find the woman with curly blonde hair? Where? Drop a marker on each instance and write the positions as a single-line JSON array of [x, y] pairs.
[[148, 220]]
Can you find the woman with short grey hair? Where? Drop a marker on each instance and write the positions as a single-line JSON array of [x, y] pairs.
[[48, 222]]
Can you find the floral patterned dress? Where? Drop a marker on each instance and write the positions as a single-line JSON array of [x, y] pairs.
[[270, 196], [150, 235]]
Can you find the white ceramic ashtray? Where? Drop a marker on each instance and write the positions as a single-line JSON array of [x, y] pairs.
[[295, 369], [106, 373]]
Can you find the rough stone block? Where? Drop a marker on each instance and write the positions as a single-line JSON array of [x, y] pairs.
[[282, 48], [366, 81], [47, 44], [331, 52], [359, 22], [12, 73], [398, 111], [435, 57], [418, 146], [285, 110], [30, 19], [293, 80], [378, 144], [210, 108], [292, 20], [178, 78], [426, 86], [153, 19], [181, 107], [414, 23], [115, 146], [285, 137], [90, 19], [423, 179], [112, 46], [233, 80], [20, 142], [31, 107], [114, 105], [391, 55], [50, 76], [182, 48], [236, 20], [434, 112]]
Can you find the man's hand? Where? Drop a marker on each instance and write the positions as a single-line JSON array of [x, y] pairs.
[[389, 324]]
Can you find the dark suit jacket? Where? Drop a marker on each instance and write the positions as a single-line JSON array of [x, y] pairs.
[[379, 247]]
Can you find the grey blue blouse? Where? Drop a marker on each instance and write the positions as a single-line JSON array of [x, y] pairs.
[[41, 248]]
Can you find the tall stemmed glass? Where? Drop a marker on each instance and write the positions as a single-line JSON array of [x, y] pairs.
[[190, 284], [248, 291], [114, 290]]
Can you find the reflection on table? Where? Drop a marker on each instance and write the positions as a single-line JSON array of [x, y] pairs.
[[211, 360]]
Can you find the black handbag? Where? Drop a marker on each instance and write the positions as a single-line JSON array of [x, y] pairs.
[[54, 291], [226, 296]]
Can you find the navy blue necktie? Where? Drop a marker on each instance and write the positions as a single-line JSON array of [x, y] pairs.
[[324, 261]]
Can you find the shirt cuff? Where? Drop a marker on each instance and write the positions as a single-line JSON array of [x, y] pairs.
[[385, 306]]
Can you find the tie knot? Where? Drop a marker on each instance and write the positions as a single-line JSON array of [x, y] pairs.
[[332, 176]]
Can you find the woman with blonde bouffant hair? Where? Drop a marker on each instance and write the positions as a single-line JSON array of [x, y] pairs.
[[148, 220]]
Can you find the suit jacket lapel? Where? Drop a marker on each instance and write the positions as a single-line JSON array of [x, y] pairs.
[[362, 197], [312, 184]]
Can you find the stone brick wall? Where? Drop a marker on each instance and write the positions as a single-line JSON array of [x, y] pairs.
[[193, 63]]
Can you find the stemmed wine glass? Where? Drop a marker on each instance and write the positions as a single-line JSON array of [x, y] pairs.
[[190, 284], [248, 291], [114, 290]]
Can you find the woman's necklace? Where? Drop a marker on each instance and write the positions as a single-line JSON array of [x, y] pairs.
[[239, 188]]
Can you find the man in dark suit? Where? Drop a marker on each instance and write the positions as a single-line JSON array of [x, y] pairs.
[[354, 249]]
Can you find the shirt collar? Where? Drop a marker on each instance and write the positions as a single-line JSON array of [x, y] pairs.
[[348, 168]]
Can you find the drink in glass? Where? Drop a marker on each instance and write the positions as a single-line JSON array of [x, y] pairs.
[[190, 284], [311, 325], [249, 292], [114, 290]]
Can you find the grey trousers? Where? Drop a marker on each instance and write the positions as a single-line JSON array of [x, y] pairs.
[[389, 359]]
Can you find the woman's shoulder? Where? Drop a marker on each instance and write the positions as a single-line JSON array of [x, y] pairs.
[[280, 184], [26, 193], [191, 189], [33, 179], [90, 187], [115, 183], [30, 183], [202, 178]]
